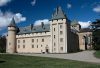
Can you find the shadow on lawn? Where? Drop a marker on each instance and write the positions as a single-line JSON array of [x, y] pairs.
[[2, 61]]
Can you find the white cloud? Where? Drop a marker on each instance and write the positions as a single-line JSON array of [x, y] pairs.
[[18, 17], [38, 22], [84, 24], [33, 2], [97, 9], [6, 17], [69, 5], [4, 2]]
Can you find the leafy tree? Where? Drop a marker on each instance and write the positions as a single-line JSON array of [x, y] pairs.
[[96, 34], [2, 44]]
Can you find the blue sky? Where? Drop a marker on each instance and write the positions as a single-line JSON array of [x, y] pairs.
[[27, 12]]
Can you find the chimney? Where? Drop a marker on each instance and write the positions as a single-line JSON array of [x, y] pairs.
[[42, 24]]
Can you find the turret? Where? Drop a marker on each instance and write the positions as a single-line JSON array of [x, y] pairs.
[[11, 39], [75, 25]]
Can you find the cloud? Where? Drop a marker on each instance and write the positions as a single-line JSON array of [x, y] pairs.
[[6, 17], [4, 2], [38, 22], [69, 5], [84, 24], [97, 9], [33, 2]]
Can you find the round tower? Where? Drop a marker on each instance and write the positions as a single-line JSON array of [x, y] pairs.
[[11, 38]]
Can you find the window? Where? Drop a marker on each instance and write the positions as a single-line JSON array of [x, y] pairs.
[[37, 46], [54, 36], [61, 32], [18, 41], [54, 29], [18, 46], [32, 40], [32, 46], [61, 48], [23, 41], [41, 45], [23, 46], [61, 39], [54, 44], [60, 26], [54, 49], [9, 43], [42, 40], [41, 50], [37, 40]]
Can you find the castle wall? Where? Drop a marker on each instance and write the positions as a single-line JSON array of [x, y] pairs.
[[82, 40], [73, 42], [34, 42]]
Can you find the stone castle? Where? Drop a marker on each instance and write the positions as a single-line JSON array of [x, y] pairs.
[[60, 36]]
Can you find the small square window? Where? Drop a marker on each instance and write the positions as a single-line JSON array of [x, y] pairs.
[[60, 26], [54, 29], [23, 46], [41, 45], [32, 46], [54, 44], [54, 49], [54, 36], [32, 40], [18, 46], [61, 48], [9, 43], [23, 41], [42, 40], [61, 39], [18, 41], [61, 32]]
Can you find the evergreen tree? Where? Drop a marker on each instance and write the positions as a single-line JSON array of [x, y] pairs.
[[96, 34]]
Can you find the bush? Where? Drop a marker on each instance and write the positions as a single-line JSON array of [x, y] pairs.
[[96, 47]]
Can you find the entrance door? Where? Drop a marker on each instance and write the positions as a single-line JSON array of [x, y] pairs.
[[47, 49]]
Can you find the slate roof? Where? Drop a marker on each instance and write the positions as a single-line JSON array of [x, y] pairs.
[[12, 24], [85, 30], [58, 14], [34, 29], [74, 22]]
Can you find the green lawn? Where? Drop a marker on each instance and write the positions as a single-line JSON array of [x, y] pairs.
[[15, 61], [97, 54]]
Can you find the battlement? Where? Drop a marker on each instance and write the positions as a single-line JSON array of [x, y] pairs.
[[33, 35]]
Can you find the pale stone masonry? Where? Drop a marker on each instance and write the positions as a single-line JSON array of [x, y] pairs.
[[57, 37]]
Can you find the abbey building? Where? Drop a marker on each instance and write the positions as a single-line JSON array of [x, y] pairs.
[[60, 36]]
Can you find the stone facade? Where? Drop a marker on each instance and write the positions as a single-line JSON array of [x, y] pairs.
[[56, 37]]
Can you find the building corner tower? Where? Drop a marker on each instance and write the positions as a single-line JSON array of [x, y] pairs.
[[59, 29], [11, 38]]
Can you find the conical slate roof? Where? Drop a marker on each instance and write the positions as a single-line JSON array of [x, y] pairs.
[[58, 14], [75, 22], [12, 24]]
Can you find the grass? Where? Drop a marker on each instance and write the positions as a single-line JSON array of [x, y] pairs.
[[97, 54], [16, 61]]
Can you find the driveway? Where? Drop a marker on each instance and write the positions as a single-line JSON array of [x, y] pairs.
[[86, 56]]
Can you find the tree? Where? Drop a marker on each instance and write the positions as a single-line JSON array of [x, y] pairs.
[[2, 44], [96, 34]]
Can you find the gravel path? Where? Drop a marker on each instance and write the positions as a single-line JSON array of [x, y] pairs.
[[86, 56]]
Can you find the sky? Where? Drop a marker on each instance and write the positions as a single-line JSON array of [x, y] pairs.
[[26, 12]]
